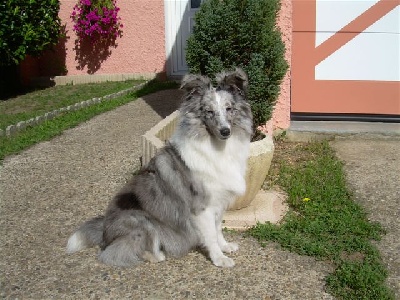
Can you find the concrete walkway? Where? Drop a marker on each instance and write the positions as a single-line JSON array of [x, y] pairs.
[[373, 171], [49, 189]]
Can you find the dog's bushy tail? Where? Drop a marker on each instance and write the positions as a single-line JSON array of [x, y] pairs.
[[125, 251], [89, 234]]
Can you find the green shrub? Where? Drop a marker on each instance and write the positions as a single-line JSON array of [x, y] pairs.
[[27, 27], [241, 33]]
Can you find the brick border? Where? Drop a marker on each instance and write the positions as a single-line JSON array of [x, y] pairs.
[[15, 128], [94, 78]]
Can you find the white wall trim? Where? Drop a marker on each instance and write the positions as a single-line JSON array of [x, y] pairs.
[[81, 79]]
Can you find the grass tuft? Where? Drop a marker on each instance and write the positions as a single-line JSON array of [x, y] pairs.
[[325, 222], [38, 102], [54, 127]]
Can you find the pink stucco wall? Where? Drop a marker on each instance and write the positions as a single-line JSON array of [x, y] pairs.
[[281, 115], [141, 49]]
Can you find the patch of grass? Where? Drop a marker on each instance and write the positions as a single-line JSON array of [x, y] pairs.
[[324, 221], [51, 128], [38, 102]]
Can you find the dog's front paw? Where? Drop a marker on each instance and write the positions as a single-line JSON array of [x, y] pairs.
[[223, 261], [230, 247]]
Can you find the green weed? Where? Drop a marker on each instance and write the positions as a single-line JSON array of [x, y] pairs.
[[325, 222]]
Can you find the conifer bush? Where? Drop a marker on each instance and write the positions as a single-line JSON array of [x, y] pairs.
[[241, 33]]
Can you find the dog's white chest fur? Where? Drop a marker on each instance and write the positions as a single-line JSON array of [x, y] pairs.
[[219, 165]]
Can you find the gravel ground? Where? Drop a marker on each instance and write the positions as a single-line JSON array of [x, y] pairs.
[[373, 172], [49, 189]]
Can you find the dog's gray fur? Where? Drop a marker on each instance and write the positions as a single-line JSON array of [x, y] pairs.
[[157, 211]]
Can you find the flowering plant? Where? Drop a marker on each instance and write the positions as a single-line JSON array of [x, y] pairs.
[[97, 19]]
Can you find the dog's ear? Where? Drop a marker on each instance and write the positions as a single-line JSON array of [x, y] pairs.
[[233, 81], [195, 84]]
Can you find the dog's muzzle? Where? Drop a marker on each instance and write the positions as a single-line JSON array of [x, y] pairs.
[[225, 132]]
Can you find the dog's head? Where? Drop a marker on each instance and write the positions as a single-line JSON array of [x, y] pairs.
[[219, 109]]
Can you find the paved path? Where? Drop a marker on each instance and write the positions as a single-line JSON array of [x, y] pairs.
[[49, 189], [373, 173]]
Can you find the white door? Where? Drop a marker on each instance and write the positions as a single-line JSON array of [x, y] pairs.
[[179, 20]]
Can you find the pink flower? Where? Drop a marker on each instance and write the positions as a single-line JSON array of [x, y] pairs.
[[91, 21]]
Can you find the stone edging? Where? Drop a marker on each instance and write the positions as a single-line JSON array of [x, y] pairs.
[[15, 128]]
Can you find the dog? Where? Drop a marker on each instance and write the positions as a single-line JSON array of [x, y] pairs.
[[176, 202]]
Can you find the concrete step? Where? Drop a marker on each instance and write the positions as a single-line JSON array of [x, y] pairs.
[[301, 131]]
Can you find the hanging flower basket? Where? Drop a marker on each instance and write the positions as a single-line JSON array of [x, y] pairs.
[[97, 19]]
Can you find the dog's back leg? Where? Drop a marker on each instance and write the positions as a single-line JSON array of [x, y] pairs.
[[154, 254], [125, 251], [140, 244]]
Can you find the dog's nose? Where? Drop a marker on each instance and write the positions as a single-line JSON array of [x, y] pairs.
[[225, 132]]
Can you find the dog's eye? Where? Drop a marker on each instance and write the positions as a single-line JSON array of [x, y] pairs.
[[210, 112], [228, 109]]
